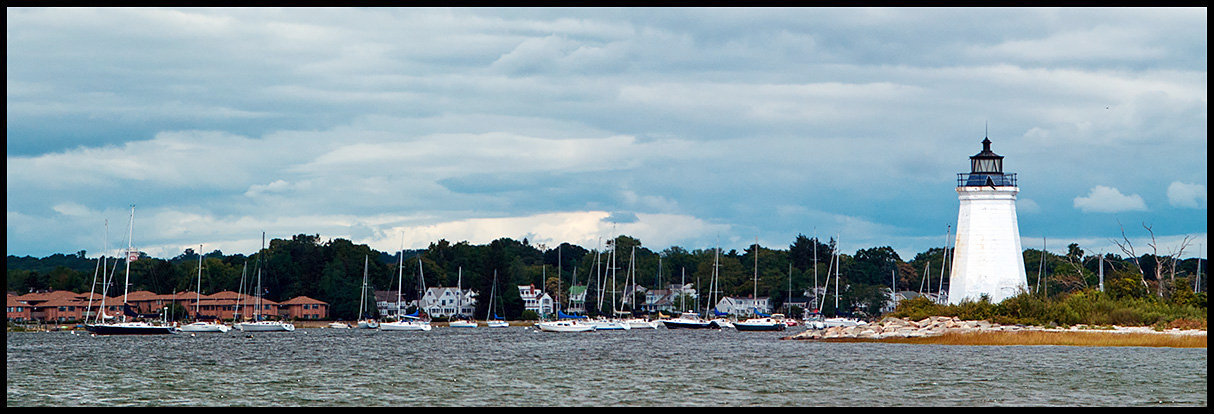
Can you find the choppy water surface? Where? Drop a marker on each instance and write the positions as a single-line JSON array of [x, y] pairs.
[[522, 367]]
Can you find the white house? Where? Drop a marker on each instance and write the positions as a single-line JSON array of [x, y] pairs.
[[744, 306], [535, 300], [441, 302]]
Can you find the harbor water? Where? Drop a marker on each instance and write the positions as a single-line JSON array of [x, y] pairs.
[[520, 366]]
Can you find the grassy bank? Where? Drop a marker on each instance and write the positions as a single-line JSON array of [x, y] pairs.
[[1063, 338], [1088, 307]]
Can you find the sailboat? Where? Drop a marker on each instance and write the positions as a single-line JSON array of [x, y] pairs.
[[565, 323], [257, 324], [461, 321], [717, 319], [129, 327], [363, 321], [637, 322], [614, 323], [494, 321], [761, 321], [686, 320], [838, 321], [200, 325], [407, 322]]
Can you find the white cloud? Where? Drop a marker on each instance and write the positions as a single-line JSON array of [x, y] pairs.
[[1109, 200], [1187, 195]]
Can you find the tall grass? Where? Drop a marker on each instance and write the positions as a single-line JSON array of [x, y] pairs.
[[1087, 307]]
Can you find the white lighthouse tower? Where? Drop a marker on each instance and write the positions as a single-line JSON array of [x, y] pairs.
[[987, 259]]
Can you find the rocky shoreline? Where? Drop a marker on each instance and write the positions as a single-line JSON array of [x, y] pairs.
[[940, 325]]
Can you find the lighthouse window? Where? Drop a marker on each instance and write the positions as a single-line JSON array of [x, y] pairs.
[[987, 165]]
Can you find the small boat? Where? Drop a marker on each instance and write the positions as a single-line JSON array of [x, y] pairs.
[[408, 323], [565, 325], [840, 321], [639, 323], [604, 324], [204, 323], [815, 321], [464, 323], [688, 320], [339, 325], [265, 326], [760, 324], [205, 326], [258, 324], [491, 318], [132, 327], [721, 323], [365, 322]]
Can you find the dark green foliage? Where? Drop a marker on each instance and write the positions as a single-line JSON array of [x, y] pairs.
[[332, 271]]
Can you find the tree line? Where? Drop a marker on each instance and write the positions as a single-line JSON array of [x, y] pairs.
[[332, 271]]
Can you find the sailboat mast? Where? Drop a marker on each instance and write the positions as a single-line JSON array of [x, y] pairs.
[[400, 274], [127, 284], [755, 296], [198, 292]]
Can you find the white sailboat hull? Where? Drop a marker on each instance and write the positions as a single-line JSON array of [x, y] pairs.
[[602, 325], [462, 324], [565, 326], [265, 326], [642, 324], [205, 327], [404, 326], [497, 324]]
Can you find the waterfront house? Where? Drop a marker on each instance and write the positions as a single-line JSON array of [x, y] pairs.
[[68, 306], [744, 306], [440, 302], [303, 307], [577, 300], [535, 300], [385, 302], [17, 311]]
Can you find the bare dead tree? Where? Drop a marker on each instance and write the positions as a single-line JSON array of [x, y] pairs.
[[1128, 248], [1169, 262]]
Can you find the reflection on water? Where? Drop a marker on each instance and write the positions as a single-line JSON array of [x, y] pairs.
[[523, 367]]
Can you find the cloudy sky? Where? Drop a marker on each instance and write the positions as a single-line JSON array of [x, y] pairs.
[[676, 126]]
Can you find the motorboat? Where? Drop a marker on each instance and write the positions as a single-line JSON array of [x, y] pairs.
[[339, 325], [721, 323], [565, 325]]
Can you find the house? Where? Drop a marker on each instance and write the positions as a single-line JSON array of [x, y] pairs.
[[385, 301], [17, 311], [439, 302], [303, 307], [577, 300], [535, 300], [68, 306], [740, 306]]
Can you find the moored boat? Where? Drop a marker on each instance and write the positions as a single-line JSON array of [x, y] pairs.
[[565, 325]]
